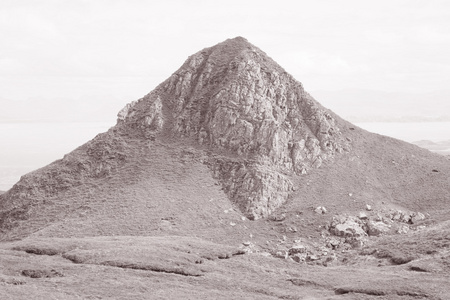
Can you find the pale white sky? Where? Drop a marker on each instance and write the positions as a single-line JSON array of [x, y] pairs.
[[85, 59]]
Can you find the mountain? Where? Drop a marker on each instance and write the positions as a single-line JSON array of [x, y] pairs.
[[230, 149]]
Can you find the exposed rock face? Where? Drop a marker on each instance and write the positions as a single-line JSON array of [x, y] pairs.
[[233, 99]]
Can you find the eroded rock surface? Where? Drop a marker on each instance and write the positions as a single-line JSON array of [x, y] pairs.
[[236, 101]]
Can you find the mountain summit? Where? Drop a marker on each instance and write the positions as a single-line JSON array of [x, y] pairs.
[[233, 100], [230, 131]]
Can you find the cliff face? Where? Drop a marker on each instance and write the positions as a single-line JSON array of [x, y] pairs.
[[258, 123]]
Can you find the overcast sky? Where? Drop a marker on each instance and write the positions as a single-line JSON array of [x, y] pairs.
[[91, 57]]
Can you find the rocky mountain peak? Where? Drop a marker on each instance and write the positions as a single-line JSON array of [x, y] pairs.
[[229, 134], [256, 119]]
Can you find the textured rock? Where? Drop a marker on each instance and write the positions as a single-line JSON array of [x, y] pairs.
[[363, 216], [377, 228], [320, 210], [349, 229], [233, 99], [417, 217], [295, 249]]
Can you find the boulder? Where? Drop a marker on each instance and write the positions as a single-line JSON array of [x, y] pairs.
[[375, 228], [349, 228], [334, 243], [312, 257], [297, 249], [416, 217], [403, 229], [321, 210], [363, 216], [299, 257]]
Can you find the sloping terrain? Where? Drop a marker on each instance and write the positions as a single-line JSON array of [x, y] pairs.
[[189, 268], [229, 156]]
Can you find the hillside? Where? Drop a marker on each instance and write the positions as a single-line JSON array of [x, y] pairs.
[[230, 155]]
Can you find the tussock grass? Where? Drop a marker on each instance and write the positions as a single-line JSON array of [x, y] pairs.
[[169, 254], [402, 249]]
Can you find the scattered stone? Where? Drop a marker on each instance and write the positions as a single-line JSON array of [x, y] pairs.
[[278, 218], [379, 217], [232, 224], [400, 216], [312, 257], [281, 254], [355, 242], [403, 229], [321, 210], [363, 216], [299, 257], [297, 249], [246, 244], [416, 217], [368, 207], [330, 260], [334, 243], [377, 228], [349, 228]]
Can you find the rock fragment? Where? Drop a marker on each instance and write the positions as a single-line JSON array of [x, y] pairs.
[[321, 210]]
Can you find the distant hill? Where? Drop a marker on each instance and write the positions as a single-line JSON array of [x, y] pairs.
[[442, 147], [359, 105]]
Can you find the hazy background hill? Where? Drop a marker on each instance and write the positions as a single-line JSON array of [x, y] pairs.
[[360, 105]]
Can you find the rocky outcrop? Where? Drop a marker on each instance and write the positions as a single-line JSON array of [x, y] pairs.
[[354, 231], [233, 100]]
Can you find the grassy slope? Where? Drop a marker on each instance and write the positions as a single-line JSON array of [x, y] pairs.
[[190, 268]]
